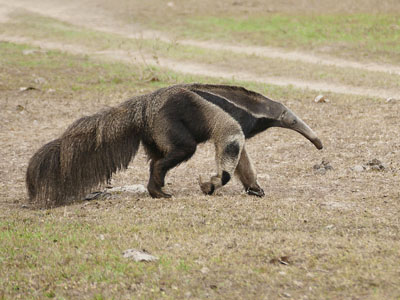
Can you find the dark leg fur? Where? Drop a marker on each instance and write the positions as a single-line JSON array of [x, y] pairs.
[[155, 183]]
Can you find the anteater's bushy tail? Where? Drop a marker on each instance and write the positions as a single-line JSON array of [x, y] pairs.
[[43, 177], [85, 156]]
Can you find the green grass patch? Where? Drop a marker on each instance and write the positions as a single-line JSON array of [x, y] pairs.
[[369, 29], [67, 72], [360, 34], [25, 250]]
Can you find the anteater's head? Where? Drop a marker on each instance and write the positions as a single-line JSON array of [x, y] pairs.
[[239, 103]]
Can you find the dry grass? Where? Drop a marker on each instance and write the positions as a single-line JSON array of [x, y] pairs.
[[332, 236], [152, 9]]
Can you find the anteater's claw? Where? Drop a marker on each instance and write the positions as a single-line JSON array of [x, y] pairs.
[[259, 192]]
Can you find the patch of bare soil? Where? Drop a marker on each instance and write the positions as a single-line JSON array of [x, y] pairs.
[[5, 10], [353, 134]]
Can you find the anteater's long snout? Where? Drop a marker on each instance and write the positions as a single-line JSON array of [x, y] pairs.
[[291, 121], [307, 132]]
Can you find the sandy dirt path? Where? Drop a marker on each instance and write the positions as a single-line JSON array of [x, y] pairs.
[[98, 19], [203, 69]]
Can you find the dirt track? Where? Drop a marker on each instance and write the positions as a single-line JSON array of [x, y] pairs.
[[98, 19]]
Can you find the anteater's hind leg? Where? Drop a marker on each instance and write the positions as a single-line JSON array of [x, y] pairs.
[[247, 175], [178, 146], [155, 183], [228, 150]]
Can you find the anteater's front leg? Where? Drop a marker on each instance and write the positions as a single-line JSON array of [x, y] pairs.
[[247, 175], [228, 149]]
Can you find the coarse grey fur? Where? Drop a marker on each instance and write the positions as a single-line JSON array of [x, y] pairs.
[[169, 123]]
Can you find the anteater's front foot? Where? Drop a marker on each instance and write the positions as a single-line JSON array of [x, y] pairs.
[[255, 191]]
